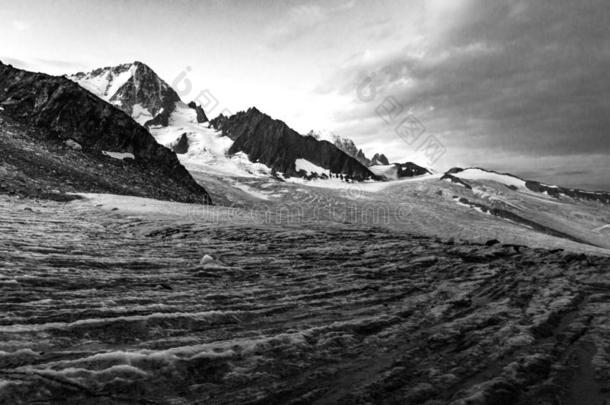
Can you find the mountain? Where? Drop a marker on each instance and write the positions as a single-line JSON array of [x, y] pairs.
[[132, 87], [379, 159], [276, 145], [138, 91], [379, 164], [63, 112], [348, 146], [268, 145], [466, 176], [201, 117]]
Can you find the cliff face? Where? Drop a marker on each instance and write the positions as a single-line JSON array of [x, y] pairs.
[[65, 111], [278, 146], [132, 87]]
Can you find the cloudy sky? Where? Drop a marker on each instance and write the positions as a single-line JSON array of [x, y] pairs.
[[519, 86]]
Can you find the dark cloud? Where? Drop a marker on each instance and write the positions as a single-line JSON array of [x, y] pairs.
[[525, 77]]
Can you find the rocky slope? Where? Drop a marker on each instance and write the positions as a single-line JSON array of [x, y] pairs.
[[173, 123], [62, 111], [276, 145], [562, 192]]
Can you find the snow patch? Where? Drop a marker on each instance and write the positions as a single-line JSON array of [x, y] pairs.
[[119, 155], [106, 84], [458, 202], [140, 114], [308, 167], [119, 81], [602, 228], [483, 175], [387, 171]]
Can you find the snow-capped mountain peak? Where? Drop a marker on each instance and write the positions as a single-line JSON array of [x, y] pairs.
[[133, 87], [138, 91]]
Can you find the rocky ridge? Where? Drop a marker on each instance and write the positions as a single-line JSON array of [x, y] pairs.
[[63, 111], [555, 191], [273, 143]]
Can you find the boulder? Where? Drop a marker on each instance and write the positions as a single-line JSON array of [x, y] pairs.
[[72, 144]]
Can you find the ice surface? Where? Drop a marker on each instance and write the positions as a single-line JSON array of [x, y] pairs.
[[115, 307]]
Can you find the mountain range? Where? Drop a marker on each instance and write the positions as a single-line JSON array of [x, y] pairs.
[[138, 91], [129, 109]]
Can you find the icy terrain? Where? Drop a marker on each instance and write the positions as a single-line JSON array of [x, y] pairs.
[[207, 148], [112, 299], [425, 205]]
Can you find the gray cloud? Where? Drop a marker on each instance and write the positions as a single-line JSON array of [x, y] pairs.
[[300, 19], [523, 77]]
